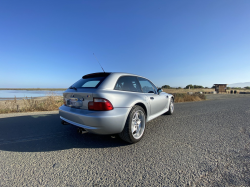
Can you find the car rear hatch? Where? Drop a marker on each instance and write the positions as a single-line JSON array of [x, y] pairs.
[[81, 93], [78, 99]]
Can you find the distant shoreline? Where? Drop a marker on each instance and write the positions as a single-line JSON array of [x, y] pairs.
[[18, 98], [32, 89]]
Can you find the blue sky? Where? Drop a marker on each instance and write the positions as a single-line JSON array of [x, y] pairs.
[[50, 44]]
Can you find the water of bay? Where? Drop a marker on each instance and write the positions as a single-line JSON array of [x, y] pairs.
[[20, 94]]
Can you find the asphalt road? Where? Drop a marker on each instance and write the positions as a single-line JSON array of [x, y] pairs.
[[203, 144]]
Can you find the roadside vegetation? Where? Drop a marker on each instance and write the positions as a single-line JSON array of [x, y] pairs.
[[182, 90], [198, 88], [238, 88], [53, 102], [183, 97], [203, 90], [48, 103]]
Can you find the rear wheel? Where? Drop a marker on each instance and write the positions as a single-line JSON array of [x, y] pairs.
[[135, 125]]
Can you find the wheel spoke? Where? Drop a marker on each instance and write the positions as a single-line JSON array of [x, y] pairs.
[[133, 128], [137, 115], [133, 121], [138, 132], [134, 117]]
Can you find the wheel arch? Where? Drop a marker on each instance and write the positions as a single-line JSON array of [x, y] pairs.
[[126, 132], [144, 107]]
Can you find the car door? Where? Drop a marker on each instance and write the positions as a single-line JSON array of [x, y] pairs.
[[163, 97], [157, 102]]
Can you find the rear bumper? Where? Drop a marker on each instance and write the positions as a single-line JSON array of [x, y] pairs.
[[98, 122]]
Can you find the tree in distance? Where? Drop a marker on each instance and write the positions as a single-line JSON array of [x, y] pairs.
[[189, 86], [236, 88], [166, 87], [193, 86]]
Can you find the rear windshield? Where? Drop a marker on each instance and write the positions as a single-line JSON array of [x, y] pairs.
[[89, 82]]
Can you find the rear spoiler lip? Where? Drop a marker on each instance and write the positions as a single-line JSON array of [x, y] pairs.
[[93, 75]]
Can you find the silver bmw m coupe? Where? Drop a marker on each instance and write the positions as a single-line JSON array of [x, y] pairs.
[[114, 103]]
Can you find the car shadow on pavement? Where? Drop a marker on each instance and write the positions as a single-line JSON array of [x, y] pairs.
[[40, 133]]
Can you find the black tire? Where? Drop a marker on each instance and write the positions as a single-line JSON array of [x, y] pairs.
[[127, 134], [170, 109]]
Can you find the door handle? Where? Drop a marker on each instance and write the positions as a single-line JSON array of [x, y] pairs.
[[151, 98]]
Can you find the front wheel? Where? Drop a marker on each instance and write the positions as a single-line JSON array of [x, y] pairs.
[[171, 107], [135, 125]]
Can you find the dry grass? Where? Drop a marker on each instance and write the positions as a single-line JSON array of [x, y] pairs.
[[48, 103], [187, 90], [198, 90], [183, 97], [53, 102]]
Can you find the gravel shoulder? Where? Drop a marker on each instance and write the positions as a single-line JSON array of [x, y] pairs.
[[226, 96], [204, 143]]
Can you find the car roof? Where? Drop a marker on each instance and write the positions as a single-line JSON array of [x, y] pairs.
[[112, 78]]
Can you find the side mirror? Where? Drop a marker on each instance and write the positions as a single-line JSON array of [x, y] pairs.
[[159, 90]]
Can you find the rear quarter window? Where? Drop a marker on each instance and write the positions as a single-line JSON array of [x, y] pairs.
[[128, 83]]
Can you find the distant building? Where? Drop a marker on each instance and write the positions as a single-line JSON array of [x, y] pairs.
[[220, 88]]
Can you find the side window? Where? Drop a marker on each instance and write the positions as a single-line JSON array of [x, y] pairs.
[[146, 86], [128, 83], [154, 87]]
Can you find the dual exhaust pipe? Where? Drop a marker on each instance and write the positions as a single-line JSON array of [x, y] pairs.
[[79, 130]]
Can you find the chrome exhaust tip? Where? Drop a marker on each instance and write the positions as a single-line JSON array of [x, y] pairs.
[[81, 130], [64, 122]]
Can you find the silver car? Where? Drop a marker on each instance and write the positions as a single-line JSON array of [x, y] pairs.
[[114, 103]]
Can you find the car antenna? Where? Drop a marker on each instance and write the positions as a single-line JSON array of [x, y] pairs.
[[99, 63]]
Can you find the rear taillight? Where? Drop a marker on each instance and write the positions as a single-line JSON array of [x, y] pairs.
[[100, 104]]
